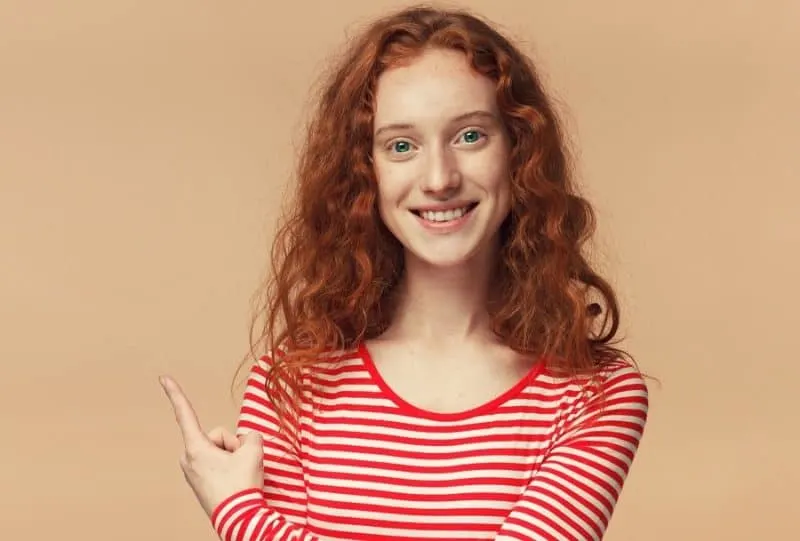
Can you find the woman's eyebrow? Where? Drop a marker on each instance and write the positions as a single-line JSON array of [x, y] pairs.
[[477, 114]]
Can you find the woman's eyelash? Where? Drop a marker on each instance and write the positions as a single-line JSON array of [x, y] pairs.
[[480, 133], [391, 145]]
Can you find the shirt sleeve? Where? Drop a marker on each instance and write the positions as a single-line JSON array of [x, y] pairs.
[[284, 484], [246, 516], [573, 495], [279, 513]]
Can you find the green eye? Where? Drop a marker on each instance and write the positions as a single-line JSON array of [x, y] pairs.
[[401, 146], [472, 136]]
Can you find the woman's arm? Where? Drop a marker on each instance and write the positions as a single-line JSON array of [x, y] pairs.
[[279, 513], [573, 495], [284, 486], [246, 516]]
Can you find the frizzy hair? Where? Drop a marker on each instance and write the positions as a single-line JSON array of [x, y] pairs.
[[335, 265]]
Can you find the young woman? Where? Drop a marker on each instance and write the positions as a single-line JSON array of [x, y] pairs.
[[438, 358]]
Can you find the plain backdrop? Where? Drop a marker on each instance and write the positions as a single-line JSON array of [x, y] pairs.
[[144, 151]]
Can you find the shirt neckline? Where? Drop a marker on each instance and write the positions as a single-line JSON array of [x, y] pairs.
[[416, 411]]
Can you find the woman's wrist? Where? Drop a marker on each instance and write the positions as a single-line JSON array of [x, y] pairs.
[[234, 508]]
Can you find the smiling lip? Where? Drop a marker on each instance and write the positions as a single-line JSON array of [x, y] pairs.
[[449, 226], [444, 207]]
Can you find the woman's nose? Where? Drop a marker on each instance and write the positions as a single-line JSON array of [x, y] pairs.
[[442, 174]]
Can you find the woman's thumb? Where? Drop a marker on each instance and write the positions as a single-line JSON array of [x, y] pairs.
[[252, 441]]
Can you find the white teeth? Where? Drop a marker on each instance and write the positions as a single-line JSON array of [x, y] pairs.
[[443, 215]]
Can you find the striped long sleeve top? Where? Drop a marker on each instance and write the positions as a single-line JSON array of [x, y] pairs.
[[545, 461]]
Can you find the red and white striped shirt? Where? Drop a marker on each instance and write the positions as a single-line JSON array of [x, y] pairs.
[[544, 461]]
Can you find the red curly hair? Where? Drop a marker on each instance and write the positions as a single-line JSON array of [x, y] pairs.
[[335, 264]]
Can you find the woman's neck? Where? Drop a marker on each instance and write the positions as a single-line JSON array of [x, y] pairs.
[[443, 304]]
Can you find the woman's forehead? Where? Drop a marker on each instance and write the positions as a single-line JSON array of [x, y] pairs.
[[438, 86]]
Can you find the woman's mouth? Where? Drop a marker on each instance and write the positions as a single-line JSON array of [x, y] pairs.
[[444, 216]]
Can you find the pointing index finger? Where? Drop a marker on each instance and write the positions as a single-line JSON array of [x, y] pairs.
[[184, 412]]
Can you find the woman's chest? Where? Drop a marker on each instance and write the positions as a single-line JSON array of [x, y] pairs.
[[434, 381], [380, 475]]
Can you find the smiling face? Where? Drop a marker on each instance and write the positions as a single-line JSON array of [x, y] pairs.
[[440, 154]]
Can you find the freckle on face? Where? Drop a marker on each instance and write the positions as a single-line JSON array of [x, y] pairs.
[[423, 111]]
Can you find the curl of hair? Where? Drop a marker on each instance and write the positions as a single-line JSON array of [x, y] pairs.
[[335, 265]]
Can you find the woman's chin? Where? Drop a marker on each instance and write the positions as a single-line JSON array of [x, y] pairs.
[[438, 258]]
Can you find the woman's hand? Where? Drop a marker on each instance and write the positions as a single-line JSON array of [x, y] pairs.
[[216, 465]]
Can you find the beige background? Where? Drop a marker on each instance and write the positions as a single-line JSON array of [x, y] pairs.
[[143, 149]]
